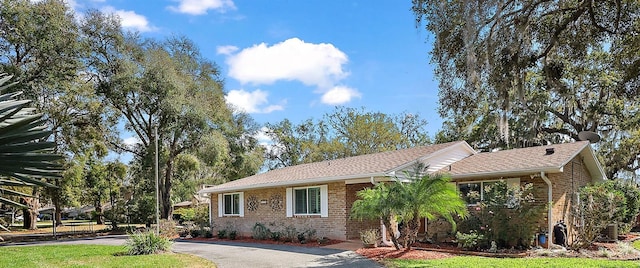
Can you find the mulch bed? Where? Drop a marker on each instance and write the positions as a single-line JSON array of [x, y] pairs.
[[243, 239]]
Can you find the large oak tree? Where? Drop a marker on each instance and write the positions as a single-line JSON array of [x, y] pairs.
[[516, 73]]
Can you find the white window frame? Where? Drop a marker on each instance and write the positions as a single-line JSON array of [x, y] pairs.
[[324, 201], [221, 212], [511, 182]]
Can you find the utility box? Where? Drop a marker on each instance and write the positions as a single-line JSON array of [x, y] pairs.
[[610, 233]]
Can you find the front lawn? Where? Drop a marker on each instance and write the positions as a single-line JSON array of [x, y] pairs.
[[91, 256], [479, 262]]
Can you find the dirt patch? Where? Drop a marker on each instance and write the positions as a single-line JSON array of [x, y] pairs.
[[381, 253]]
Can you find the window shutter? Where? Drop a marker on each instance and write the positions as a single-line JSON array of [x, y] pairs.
[[241, 209], [289, 202], [324, 201], [220, 206]]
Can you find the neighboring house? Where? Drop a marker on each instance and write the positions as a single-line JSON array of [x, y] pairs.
[[319, 195]]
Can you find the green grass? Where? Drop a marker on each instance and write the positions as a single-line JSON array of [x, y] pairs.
[[636, 244], [91, 256], [480, 262]]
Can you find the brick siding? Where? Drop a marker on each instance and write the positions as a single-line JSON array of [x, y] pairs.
[[275, 217]]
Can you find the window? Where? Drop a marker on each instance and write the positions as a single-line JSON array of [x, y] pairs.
[[231, 204], [308, 201], [473, 192]]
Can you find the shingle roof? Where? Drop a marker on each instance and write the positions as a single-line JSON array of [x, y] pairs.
[[531, 159], [360, 166]]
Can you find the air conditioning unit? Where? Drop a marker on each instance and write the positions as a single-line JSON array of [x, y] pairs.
[[610, 233]]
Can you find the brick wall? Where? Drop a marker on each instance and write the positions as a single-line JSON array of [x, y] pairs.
[[355, 226], [565, 185], [274, 216]]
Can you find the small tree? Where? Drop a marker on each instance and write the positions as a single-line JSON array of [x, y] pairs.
[[427, 197], [424, 196], [377, 203], [597, 206]]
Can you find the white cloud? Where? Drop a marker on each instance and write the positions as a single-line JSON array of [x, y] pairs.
[[226, 50], [200, 7], [312, 64], [252, 102], [262, 137], [130, 19], [131, 141], [340, 95]]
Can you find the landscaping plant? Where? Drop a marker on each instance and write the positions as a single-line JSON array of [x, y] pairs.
[[597, 206], [509, 215], [144, 243]]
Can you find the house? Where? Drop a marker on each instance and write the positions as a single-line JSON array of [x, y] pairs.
[[319, 195]]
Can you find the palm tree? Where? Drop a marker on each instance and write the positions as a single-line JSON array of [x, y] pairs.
[[26, 158], [377, 203], [427, 196]]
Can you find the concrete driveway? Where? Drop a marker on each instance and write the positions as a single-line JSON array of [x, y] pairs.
[[232, 254]]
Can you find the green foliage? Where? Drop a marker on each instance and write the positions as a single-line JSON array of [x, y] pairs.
[[26, 159], [222, 233], [260, 232], [144, 243], [289, 233], [470, 240], [186, 214], [201, 215], [599, 205], [508, 215], [630, 208], [425, 196], [342, 133], [521, 73]]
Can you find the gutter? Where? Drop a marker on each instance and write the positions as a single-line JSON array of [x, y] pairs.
[[550, 209]]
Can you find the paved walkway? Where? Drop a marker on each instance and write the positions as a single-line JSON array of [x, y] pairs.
[[233, 254]]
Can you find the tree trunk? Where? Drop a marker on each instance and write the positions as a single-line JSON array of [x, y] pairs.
[[30, 214], [165, 212], [99, 214], [391, 230], [57, 215], [411, 231]]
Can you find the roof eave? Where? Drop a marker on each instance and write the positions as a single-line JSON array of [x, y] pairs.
[[291, 183], [494, 174]]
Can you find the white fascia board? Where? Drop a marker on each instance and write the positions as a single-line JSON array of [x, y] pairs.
[[292, 183], [463, 145], [519, 172]]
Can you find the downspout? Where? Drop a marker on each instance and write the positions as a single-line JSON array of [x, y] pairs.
[[383, 229], [550, 209]]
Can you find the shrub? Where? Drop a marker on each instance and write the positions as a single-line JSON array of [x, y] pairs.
[[168, 228], [222, 233], [144, 243], [186, 214], [195, 232], [599, 206], [233, 234], [289, 233], [208, 234], [469, 240], [201, 216], [508, 215], [370, 236], [306, 235], [275, 236], [260, 232]]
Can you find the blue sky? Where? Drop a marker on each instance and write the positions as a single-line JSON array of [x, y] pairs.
[[299, 59]]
